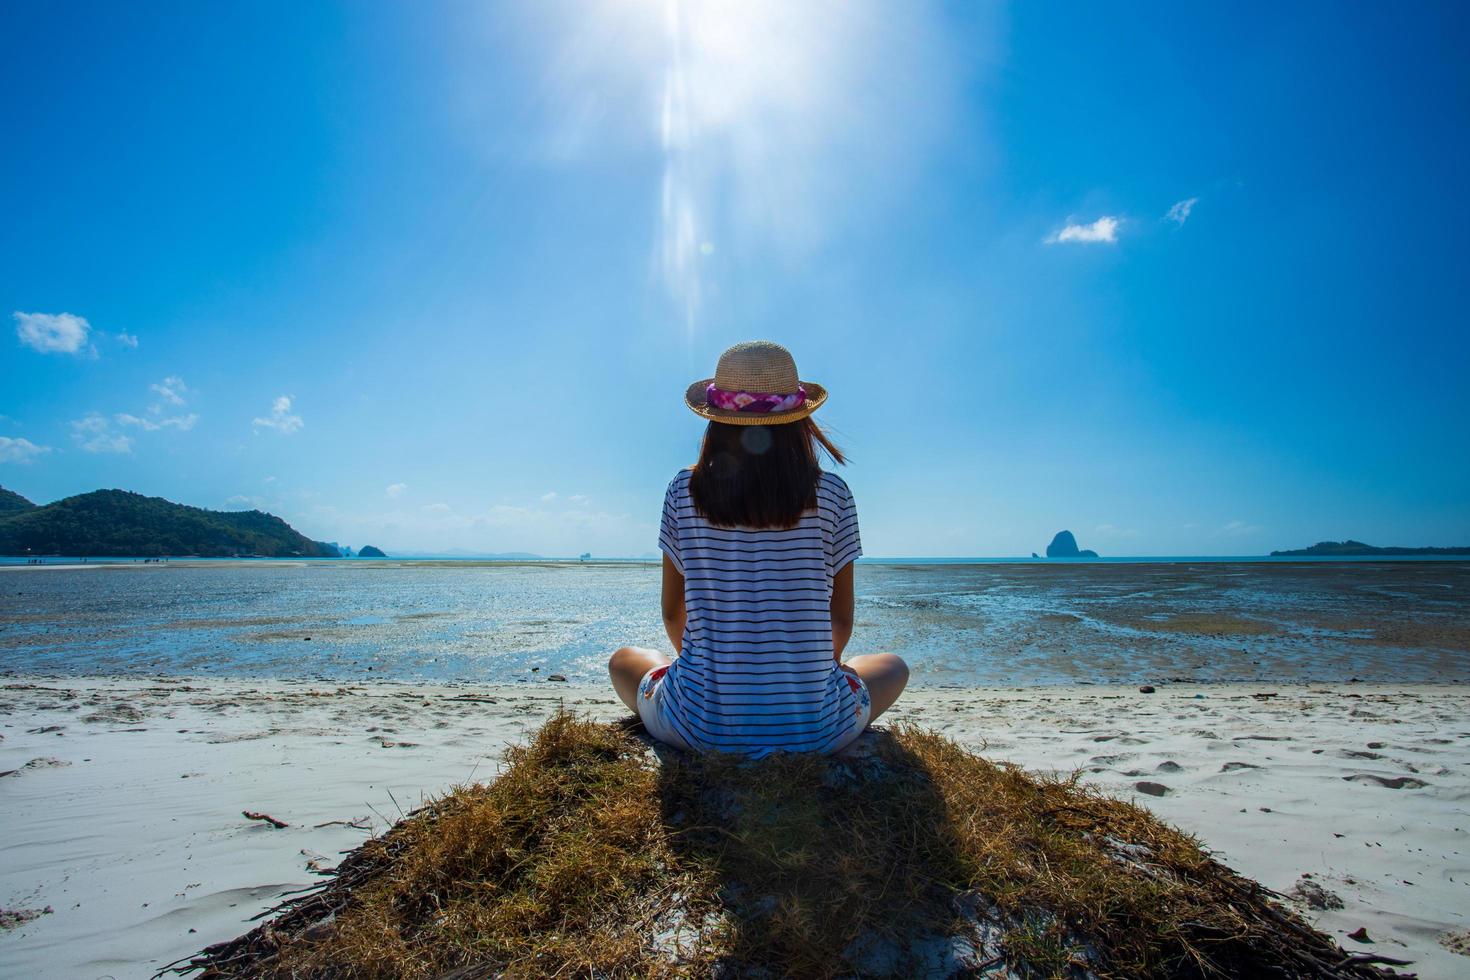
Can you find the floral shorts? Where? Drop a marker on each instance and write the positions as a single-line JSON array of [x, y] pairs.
[[650, 709]]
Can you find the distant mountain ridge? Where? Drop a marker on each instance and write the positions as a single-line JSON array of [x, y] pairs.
[[1356, 549], [118, 523]]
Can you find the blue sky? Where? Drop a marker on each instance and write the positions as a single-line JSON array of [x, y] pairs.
[[1185, 280]]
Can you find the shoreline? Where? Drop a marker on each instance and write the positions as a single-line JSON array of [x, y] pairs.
[[183, 561], [125, 807]]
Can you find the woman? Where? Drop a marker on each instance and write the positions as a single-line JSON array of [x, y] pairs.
[[758, 544]]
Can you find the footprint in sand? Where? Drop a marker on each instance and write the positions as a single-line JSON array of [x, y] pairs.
[[1394, 782]]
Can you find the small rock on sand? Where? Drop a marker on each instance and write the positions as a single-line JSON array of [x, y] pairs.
[[1394, 782], [1456, 942], [1313, 895], [14, 918], [1360, 935], [114, 714], [1146, 689], [1152, 789]]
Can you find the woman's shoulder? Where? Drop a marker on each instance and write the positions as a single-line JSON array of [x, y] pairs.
[[680, 483], [834, 484]]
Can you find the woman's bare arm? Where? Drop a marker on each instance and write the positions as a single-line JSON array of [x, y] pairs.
[[842, 604], [673, 604]]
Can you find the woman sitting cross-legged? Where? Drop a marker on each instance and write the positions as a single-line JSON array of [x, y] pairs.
[[758, 544]]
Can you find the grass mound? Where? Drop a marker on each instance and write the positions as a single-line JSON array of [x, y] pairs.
[[592, 856]]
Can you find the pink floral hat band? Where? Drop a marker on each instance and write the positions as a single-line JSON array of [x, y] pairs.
[[754, 402]]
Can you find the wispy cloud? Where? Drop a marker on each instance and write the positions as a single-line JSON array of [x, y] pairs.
[[548, 497], [127, 339], [281, 418], [181, 422], [1179, 213], [1114, 531], [20, 450], [1237, 529], [54, 333], [580, 499], [1103, 230], [395, 490], [94, 434], [249, 502], [171, 389], [436, 508]]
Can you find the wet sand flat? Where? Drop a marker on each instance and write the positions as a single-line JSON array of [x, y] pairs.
[[956, 624]]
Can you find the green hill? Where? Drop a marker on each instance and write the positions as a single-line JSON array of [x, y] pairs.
[[1357, 549], [10, 501], [121, 524]]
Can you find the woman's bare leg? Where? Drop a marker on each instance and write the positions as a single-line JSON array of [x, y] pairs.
[[627, 667], [884, 673]]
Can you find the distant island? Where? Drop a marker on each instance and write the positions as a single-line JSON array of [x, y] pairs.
[[368, 551], [1357, 549], [1064, 545], [120, 524]]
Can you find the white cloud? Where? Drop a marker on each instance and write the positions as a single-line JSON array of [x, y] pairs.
[[436, 508], [280, 417], [181, 422], [127, 339], [171, 389], [52, 333], [1104, 229], [1179, 213], [94, 433], [581, 500], [548, 497], [20, 450], [396, 490]]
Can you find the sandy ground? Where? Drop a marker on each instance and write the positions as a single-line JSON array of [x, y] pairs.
[[122, 799]]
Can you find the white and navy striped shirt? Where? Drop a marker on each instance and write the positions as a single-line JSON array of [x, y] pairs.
[[755, 672]]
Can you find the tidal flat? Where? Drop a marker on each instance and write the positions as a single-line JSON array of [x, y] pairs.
[[957, 624]]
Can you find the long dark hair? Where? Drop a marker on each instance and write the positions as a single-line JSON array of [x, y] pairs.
[[759, 475]]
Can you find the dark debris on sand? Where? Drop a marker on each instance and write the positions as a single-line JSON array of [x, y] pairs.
[[597, 854]]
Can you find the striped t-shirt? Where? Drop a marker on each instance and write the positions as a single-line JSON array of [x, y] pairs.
[[755, 672]]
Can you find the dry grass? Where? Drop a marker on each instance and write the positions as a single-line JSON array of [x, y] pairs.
[[584, 858]]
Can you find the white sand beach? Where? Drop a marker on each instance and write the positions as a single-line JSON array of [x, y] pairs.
[[123, 800]]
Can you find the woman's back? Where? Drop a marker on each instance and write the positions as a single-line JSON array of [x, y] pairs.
[[756, 671], [757, 592]]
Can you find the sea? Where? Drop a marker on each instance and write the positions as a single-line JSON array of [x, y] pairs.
[[991, 623]]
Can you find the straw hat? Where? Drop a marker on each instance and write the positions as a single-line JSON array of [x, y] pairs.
[[757, 383]]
